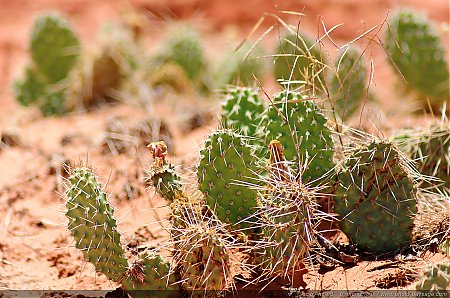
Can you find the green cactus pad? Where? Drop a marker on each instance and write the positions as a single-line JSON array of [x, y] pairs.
[[417, 51], [225, 166], [183, 47], [376, 199], [203, 258], [242, 111], [436, 278], [301, 128], [298, 58], [348, 83], [93, 225], [150, 272], [54, 47]]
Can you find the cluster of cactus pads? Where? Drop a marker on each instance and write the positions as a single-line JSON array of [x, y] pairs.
[[261, 180], [60, 76], [263, 175]]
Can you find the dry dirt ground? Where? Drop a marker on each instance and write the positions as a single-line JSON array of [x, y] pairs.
[[35, 247]]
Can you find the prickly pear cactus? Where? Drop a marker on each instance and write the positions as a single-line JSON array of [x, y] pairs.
[[417, 51], [430, 149], [436, 278], [288, 219], [348, 83], [184, 207], [54, 47], [203, 257], [54, 51], [299, 59], [241, 66], [301, 128], [184, 48], [32, 90], [93, 226], [375, 198], [224, 172], [242, 111]]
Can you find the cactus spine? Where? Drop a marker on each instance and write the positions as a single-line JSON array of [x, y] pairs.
[[288, 220], [203, 257], [430, 149]]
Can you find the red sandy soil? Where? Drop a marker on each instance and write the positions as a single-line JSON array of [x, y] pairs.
[[35, 247]]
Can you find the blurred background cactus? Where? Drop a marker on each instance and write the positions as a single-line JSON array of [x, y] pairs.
[[436, 278], [299, 62], [348, 82], [54, 49], [184, 48], [417, 51], [241, 66]]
